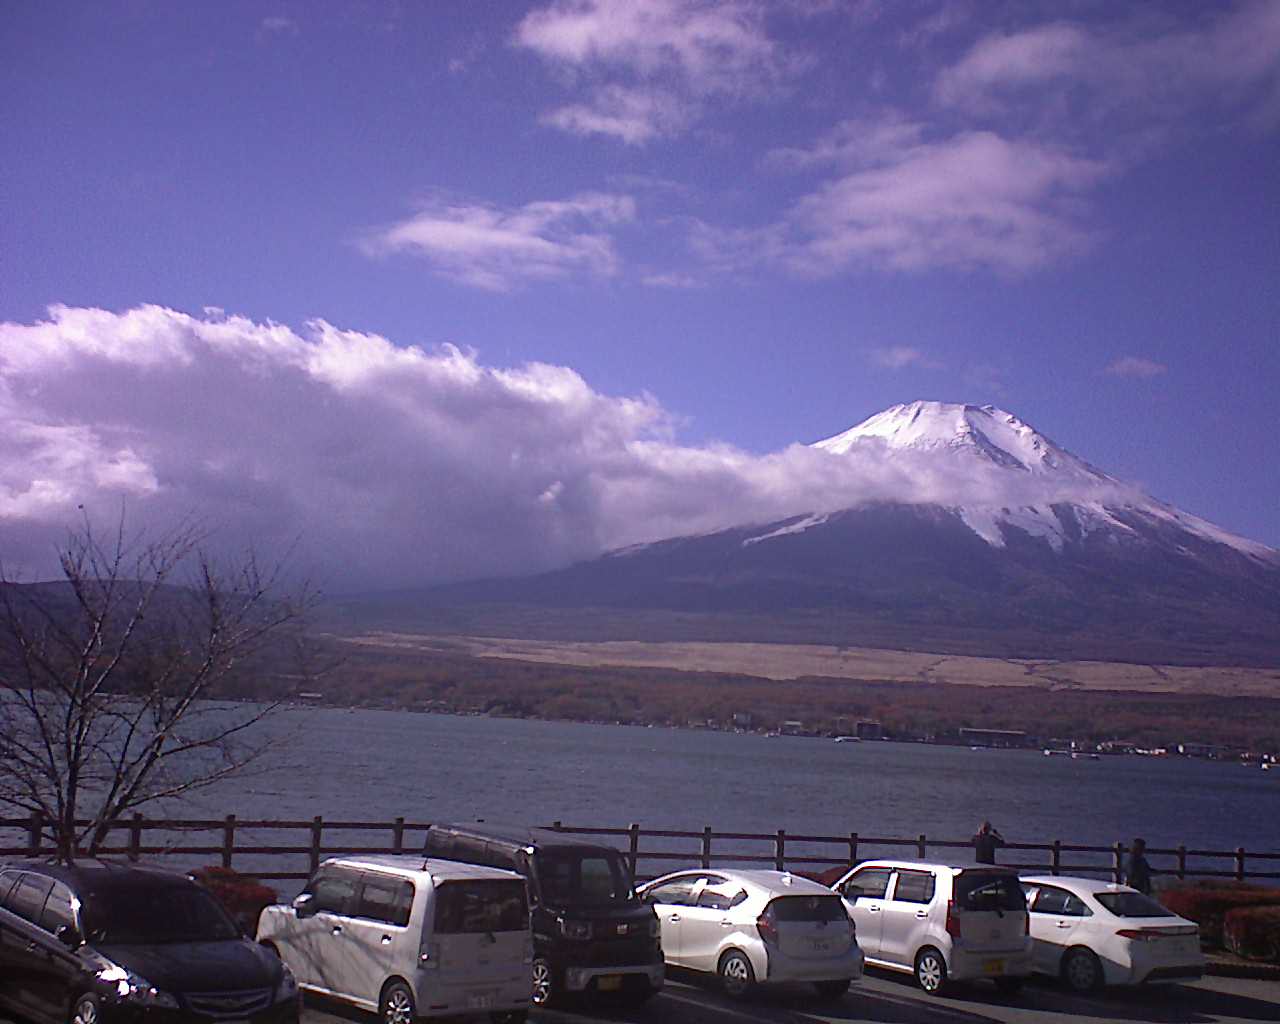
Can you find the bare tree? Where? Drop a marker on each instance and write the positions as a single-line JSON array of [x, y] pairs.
[[111, 678]]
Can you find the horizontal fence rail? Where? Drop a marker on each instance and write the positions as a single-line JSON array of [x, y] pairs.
[[292, 850]]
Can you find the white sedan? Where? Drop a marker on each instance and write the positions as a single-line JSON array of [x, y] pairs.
[[1092, 933], [752, 927]]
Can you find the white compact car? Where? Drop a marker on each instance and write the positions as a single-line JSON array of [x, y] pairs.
[[408, 937], [941, 922], [1092, 933], [753, 927]]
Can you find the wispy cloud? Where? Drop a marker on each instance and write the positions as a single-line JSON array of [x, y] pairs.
[[487, 247], [276, 26], [1136, 366], [900, 357], [646, 67]]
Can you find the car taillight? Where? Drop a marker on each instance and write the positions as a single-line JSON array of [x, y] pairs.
[[953, 920], [766, 927], [1139, 934]]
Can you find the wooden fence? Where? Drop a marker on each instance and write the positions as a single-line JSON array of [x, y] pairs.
[[242, 843]]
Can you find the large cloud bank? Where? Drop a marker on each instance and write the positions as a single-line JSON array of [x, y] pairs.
[[387, 465]]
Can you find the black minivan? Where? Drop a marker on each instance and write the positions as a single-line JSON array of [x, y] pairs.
[[590, 931], [99, 943]]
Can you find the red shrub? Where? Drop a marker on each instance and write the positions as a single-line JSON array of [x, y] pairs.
[[1208, 906], [242, 896], [1253, 932]]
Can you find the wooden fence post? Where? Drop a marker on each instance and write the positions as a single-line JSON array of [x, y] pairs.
[[1055, 863], [35, 831], [922, 847], [397, 835], [853, 848], [780, 850], [135, 836], [1239, 863], [1117, 866], [228, 840], [633, 852], [706, 846], [317, 828], [1182, 862]]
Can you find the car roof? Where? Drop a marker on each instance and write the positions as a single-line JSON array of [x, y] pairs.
[[101, 874], [519, 836], [414, 867], [774, 883], [1078, 883], [954, 866]]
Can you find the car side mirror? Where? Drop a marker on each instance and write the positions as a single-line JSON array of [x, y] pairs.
[[304, 906], [68, 935]]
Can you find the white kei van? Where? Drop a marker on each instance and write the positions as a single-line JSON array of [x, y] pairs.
[[941, 922], [409, 937]]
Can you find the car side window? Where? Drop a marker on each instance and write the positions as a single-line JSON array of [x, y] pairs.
[[677, 892], [333, 890], [1075, 907], [914, 887], [870, 883], [7, 880], [27, 897], [58, 909], [722, 898], [1052, 900], [385, 899]]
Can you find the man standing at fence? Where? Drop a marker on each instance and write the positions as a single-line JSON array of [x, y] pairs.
[[1137, 872], [985, 841]]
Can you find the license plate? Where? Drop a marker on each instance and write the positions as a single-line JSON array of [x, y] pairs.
[[608, 982], [993, 967], [479, 1002], [821, 945]]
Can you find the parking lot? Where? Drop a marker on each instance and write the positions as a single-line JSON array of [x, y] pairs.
[[886, 999]]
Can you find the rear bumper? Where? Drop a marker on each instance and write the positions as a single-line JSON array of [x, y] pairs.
[[781, 967], [968, 965], [578, 979], [481, 996]]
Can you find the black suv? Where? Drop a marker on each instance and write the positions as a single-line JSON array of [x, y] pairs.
[[96, 943], [590, 932]]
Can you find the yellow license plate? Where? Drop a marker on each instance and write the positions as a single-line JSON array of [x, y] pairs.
[[993, 967], [608, 983]]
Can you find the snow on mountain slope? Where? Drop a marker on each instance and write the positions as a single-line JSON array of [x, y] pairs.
[[1034, 485]]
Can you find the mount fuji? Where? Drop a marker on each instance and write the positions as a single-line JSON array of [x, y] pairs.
[[1004, 544]]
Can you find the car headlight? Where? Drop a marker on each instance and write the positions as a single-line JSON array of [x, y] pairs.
[[575, 929], [287, 987], [135, 989]]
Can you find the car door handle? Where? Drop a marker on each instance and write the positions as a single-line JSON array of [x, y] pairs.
[[922, 914], [337, 929], [725, 923], [1064, 924], [386, 940], [674, 917], [873, 909]]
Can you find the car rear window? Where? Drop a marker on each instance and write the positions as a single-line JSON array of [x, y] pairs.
[[807, 908], [1132, 904], [467, 908], [977, 890]]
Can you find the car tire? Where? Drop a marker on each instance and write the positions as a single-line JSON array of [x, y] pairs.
[[737, 976], [545, 988], [931, 971], [832, 989], [1082, 971], [1009, 986], [396, 1005], [85, 1009]]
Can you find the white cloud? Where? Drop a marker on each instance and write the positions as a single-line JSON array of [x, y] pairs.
[[487, 247], [899, 357], [905, 202], [647, 66], [1136, 366], [394, 466]]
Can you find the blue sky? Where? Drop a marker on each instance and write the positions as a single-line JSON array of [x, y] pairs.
[[756, 223]]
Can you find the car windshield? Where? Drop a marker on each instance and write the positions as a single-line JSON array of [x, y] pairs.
[[582, 876], [154, 915], [978, 890], [1132, 904]]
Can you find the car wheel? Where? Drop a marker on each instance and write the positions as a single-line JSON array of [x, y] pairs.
[[509, 1017], [1081, 970], [544, 982], [931, 970], [832, 989], [1009, 986], [396, 1005], [737, 976], [85, 1010]]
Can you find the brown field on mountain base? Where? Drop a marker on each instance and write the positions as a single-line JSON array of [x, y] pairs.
[[812, 661]]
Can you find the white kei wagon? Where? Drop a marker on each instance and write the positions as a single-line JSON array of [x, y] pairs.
[[409, 937]]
